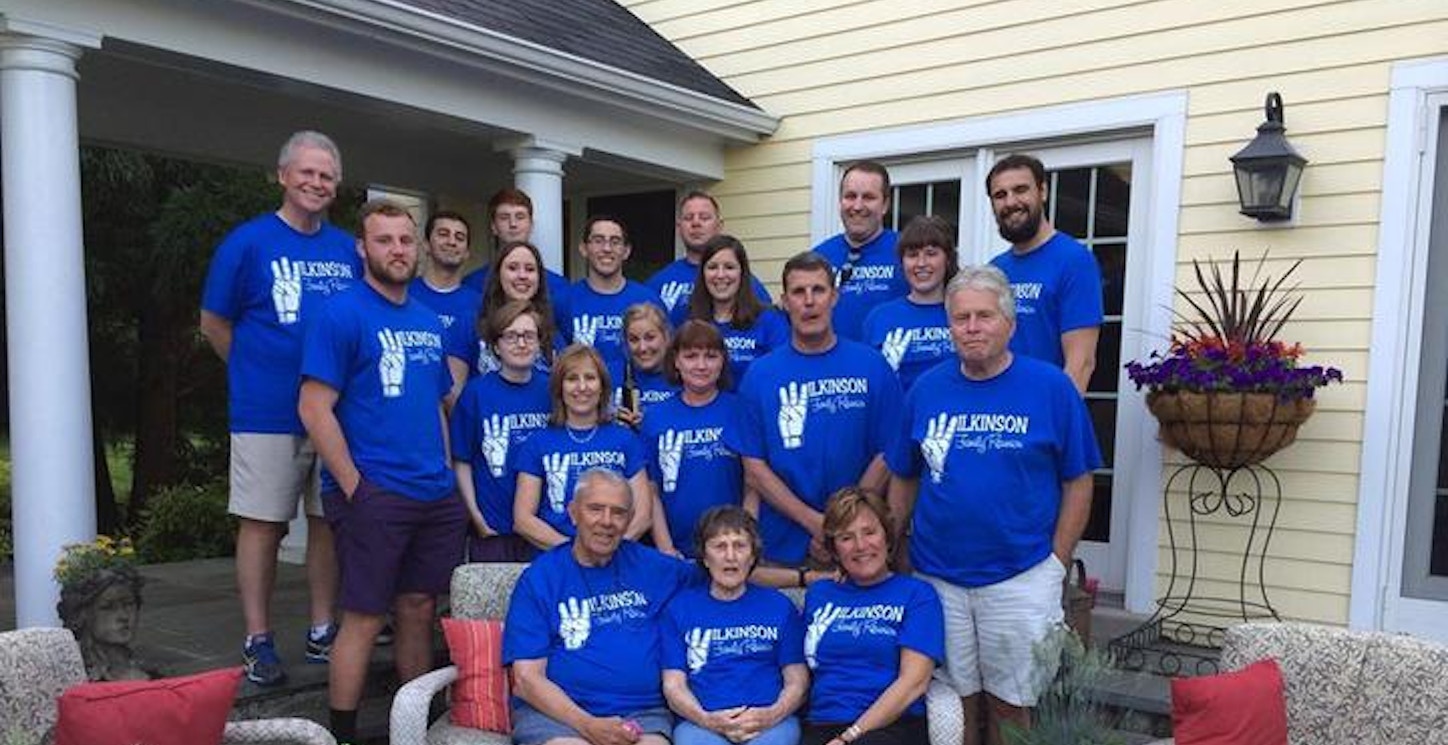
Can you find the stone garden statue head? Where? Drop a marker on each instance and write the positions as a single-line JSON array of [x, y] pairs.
[[100, 601]]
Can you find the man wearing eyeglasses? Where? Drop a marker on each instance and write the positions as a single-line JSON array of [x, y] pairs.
[[593, 312], [867, 270]]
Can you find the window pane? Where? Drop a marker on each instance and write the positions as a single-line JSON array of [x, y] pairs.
[[1098, 528], [909, 203], [1073, 191], [1104, 378], [1111, 258], [1113, 200], [1103, 419], [945, 203]]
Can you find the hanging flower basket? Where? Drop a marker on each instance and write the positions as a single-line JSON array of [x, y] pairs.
[[1226, 392], [1228, 430]]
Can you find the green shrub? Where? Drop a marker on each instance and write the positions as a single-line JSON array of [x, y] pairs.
[[186, 522]]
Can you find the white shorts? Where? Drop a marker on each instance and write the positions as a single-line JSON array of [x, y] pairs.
[[270, 473], [991, 632]]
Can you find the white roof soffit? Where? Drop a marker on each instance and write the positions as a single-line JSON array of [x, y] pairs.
[[539, 65]]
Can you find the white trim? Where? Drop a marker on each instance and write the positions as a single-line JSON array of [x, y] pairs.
[[81, 37], [539, 64], [1162, 116], [1392, 367]]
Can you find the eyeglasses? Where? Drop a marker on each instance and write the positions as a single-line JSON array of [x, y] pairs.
[[612, 241], [519, 337]]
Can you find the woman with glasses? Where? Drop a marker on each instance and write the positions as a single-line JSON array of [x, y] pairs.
[[723, 296], [493, 417]]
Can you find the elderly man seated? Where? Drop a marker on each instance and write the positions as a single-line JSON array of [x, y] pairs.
[[582, 632]]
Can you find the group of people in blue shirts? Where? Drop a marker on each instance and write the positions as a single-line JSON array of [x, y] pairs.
[[889, 396]]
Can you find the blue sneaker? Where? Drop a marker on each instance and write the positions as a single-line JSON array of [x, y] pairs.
[[319, 648], [263, 666]]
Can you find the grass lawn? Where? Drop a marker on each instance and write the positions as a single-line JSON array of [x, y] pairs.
[[118, 455]]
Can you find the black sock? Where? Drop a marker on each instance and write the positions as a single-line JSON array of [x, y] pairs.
[[344, 725]]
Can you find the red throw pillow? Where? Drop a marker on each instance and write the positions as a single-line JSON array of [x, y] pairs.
[[1240, 708], [189, 710], [480, 695]]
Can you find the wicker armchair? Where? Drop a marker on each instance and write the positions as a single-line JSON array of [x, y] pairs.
[[1350, 688], [37, 665], [483, 591]]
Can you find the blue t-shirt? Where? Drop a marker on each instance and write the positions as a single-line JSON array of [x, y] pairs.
[[557, 457], [817, 420], [594, 319], [734, 651], [873, 278], [995, 454], [853, 638], [597, 627], [654, 388], [386, 363], [269, 281], [456, 307], [490, 422], [769, 332], [912, 337], [689, 462], [675, 283], [1058, 289]]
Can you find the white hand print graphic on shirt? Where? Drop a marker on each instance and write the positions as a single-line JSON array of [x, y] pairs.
[[697, 654], [672, 292], [495, 443], [896, 342], [573, 623], [286, 290], [818, 625], [671, 453], [939, 433], [555, 469], [585, 329], [392, 366], [793, 406]]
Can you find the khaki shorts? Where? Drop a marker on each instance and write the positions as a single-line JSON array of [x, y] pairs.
[[270, 473], [991, 632]]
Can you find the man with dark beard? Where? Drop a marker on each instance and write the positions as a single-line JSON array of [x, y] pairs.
[[1055, 279], [373, 383]]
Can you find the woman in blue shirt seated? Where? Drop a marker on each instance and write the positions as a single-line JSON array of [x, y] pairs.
[[723, 295], [733, 656], [580, 436], [874, 637]]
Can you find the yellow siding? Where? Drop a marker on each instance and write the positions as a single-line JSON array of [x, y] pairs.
[[831, 67]]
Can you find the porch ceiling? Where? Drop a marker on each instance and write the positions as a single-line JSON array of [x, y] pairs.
[[229, 80]]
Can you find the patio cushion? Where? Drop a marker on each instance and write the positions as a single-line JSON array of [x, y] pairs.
[[1404, 693], [1235, 708], [480, 695], [1322, 671], [189, 710]]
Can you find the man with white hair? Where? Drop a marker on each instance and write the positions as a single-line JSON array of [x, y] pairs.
[[1007, 449], [268, 278]]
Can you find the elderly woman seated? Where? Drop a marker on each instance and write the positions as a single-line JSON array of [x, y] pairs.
[[733, 652]]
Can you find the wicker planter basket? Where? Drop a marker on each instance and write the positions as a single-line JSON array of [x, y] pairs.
[[1228, 430]]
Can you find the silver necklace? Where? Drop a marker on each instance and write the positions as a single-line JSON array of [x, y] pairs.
[[583, 439]]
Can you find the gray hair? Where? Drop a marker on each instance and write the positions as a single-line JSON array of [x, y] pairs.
[[589, 479], [985, 278], [313, 139]]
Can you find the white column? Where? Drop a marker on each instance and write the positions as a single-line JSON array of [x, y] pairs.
[[50, 423], [538, 172]]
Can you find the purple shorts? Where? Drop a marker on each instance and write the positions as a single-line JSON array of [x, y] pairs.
[[500, 548], [389, 545]]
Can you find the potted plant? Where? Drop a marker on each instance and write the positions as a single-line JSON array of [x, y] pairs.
[[1227, 392]]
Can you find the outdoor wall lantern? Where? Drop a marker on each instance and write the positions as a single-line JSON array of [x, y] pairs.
[[1268, 170]]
